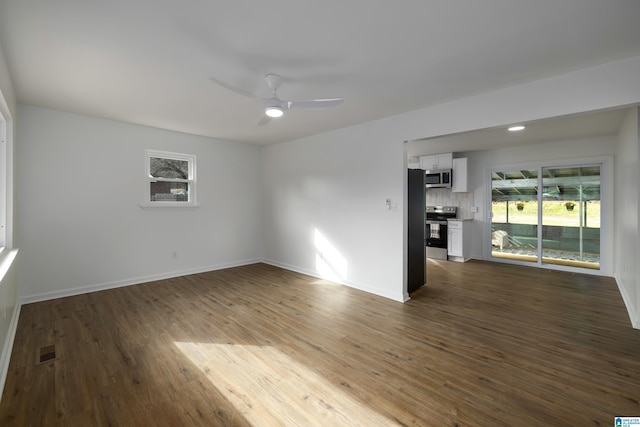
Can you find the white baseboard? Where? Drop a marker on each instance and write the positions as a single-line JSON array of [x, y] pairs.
[[128, 282], [400, 297], [631, 311], [297, 269], [138, 280], [5, 357]]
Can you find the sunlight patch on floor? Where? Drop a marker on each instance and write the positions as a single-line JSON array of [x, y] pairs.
[[325, 282], [270, 388]]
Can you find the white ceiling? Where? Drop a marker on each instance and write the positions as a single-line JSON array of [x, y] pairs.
[[565, 128], [149, 61]]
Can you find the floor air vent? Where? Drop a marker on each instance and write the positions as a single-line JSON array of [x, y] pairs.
[[46, 354]]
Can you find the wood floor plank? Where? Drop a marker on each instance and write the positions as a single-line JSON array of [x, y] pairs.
[[483, 344]]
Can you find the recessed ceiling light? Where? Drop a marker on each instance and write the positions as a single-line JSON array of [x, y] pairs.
[[516, 128]]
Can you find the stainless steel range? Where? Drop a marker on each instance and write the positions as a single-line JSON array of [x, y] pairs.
[[436, 230]]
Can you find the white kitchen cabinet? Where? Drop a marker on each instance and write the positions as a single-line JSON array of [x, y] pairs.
[[458, 240], [436, 161], [413, 163], [460, 181]]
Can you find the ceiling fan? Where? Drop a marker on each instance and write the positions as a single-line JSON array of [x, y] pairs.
[[274, 106]]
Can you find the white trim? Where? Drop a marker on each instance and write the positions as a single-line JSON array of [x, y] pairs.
[[167, 206], [606, 223], [633, 315], [45, 296], [364, 288], [5, 357], [3, 179], [7, 261], [129, 282], [191, 180]]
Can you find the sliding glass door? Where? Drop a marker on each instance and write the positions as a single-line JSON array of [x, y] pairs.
[[514, 219], [571, 216], [548, 215]]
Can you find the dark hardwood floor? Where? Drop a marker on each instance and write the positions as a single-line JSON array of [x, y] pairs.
[[484, 344]]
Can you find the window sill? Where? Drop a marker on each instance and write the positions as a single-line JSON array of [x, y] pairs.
[[167, 206], [6, 260]]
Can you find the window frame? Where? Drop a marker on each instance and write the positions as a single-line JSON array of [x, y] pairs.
[[4, 178], [191, 180]]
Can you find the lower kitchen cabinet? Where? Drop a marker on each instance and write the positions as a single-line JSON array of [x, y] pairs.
[[458, 240]]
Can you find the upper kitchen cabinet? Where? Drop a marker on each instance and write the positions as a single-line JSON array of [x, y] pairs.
[[413, 163], [459, 181], [436, 161]]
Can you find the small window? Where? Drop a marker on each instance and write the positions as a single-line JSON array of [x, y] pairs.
[[170, 179]]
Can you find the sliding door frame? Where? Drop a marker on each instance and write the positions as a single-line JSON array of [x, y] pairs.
[[606, 164]]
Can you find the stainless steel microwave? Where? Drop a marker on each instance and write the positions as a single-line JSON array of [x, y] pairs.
[[438, 178]]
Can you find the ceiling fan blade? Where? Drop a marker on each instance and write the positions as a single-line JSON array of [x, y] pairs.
[[264, 120], [232, 88], [315, 104], [276, 105]]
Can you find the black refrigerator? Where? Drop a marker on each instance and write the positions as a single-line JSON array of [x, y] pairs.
[[416, 252]]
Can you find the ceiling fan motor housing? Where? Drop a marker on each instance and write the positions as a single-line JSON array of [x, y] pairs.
[[273, 81], [273, 102]]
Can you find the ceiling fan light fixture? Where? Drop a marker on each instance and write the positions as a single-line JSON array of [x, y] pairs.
[[274, 112]]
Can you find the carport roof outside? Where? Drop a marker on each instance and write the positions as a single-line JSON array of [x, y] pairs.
[[557, 184]]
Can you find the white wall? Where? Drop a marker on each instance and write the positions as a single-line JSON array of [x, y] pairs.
[[325, 206], [337, 181], [626, 216], [79, 181]]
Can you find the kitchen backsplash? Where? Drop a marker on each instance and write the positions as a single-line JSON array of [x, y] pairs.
[[445, 197]]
